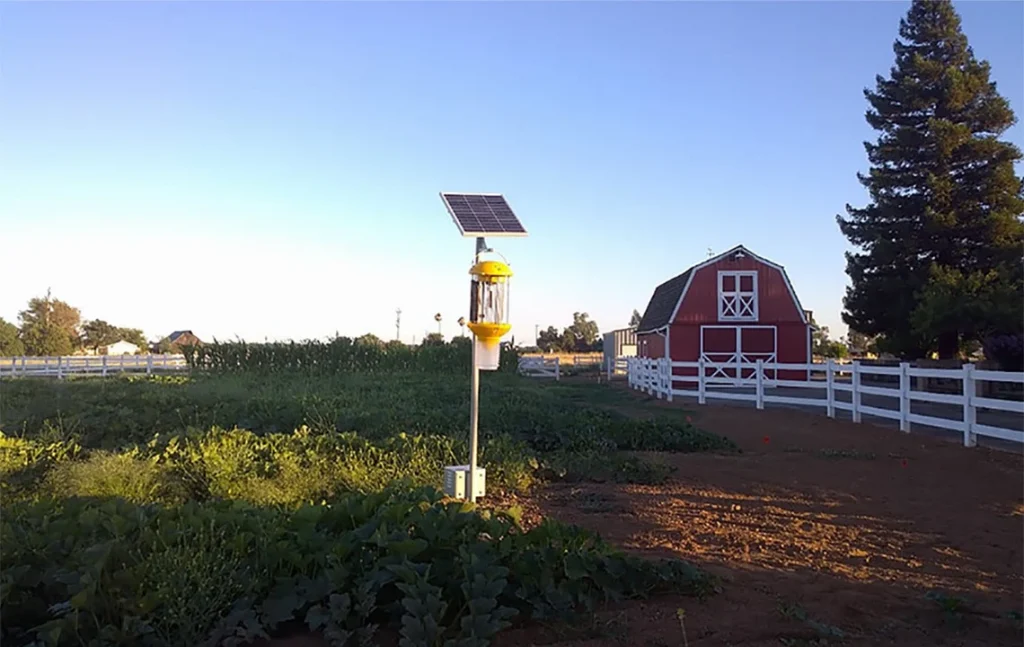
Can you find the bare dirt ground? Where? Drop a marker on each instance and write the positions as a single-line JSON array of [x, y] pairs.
[[819, 525]]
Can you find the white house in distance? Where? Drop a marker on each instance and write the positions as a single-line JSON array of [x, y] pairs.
[[122, 348]]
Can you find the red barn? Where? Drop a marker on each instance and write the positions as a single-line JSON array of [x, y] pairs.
[[735, 308]]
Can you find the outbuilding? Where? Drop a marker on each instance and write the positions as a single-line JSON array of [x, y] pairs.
[[732, 309]]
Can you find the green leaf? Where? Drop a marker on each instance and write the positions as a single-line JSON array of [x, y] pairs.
[[575, 567]]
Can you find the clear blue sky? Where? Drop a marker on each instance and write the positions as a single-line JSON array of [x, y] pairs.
[[272, 169]]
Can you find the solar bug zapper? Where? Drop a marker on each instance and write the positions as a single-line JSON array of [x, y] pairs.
[[478, 215]]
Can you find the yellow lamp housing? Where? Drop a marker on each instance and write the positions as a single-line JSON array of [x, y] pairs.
[[488, 310]]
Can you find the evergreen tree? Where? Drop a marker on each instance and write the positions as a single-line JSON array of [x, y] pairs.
[[941, 240], [10, 344]]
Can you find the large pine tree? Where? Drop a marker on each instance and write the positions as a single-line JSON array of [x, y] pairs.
[[941, 243]]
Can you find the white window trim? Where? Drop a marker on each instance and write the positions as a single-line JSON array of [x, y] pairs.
[[738, 294]]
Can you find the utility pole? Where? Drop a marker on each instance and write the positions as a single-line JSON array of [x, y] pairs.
[[536, 333], [398, 324]]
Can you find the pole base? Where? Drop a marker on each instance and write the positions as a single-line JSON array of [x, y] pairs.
[[455, 477]]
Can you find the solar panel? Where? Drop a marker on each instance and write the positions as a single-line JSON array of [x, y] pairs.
[[482, 214]]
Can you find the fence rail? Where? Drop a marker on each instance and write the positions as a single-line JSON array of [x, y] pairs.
[[661, 377], [537, 366], [89, 365]]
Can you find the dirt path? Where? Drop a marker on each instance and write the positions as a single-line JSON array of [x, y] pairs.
[[819, 525]]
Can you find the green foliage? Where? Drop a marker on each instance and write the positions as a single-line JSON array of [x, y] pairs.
[[940, 242], [10, 344], [134, 336], [24, 463], [339, 356], [46, 339], [118, 413], [580, 337], [49, 326], [107, 571], [822, 346], [97, 333], [978, 304], [137, 511]]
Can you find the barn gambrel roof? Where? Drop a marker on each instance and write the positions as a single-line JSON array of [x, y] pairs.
[[664, 304]]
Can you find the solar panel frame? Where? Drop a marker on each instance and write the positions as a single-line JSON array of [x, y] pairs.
[[482, 214]]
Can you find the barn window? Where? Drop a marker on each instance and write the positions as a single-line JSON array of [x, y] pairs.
[[737, 296]]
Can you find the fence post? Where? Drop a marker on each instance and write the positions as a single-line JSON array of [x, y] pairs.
[[760, 383], [23, 365], [149, 365], [667, 377], [659, 374], [558, 371], [904, 397], [46, 365], [830, 387], [855, 392], [701, 398], [970, 413], [60, 375], [610, 368], [122, 363], [104, 365]]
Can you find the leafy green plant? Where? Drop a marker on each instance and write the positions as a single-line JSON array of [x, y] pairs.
[[84, 570]]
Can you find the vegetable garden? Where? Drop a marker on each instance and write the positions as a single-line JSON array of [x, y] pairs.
[[285, 493], [286, 486]]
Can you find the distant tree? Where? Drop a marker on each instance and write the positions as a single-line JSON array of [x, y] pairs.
[[823, 346], [634, 320], [10, 344], [549, 341], [97, 334], [164, 346], [369, 339], [583, 330], [49, 326], [133, 336], [46, 339], [433, 339], [940, 243]]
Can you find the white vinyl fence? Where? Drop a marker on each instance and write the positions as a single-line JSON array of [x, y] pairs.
[[829, 382], [535, 366], [89, 365]]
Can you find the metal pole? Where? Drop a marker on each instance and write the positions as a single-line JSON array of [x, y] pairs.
[[474, 399], [474, 419]]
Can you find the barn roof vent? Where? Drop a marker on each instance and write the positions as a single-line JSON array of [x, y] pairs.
[[738, 255]]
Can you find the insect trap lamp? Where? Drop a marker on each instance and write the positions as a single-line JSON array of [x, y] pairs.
[[488, 312]]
